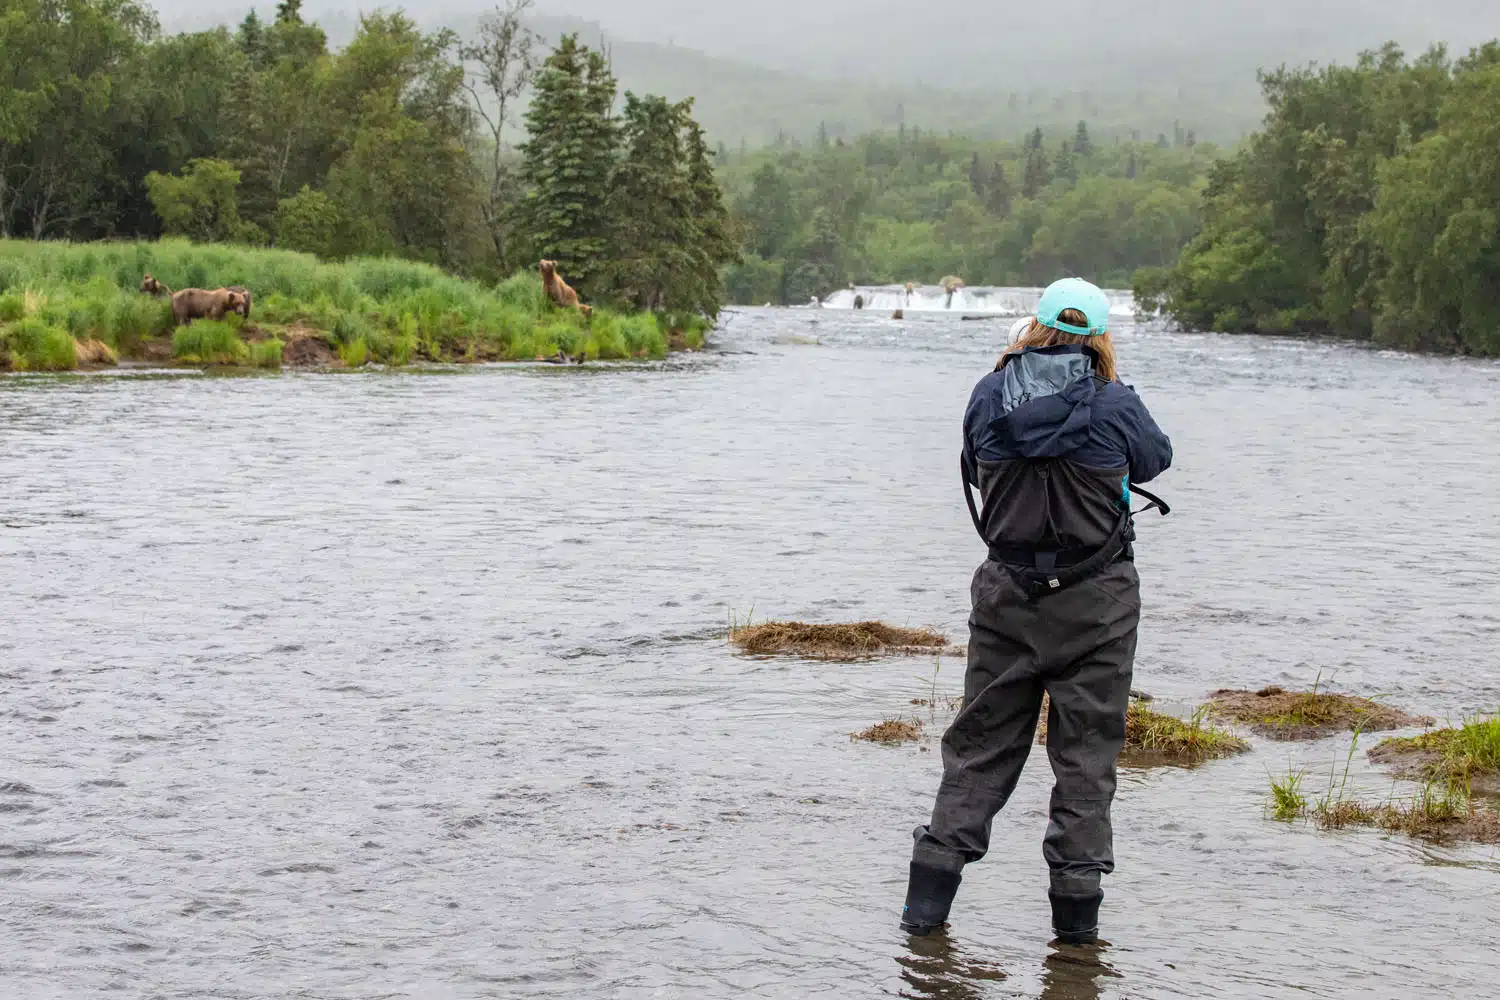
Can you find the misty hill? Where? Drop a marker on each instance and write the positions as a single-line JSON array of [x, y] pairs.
[[738, 101], [968, 44], [994, 71]]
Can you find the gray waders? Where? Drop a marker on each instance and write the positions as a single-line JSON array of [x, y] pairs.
[[1078, 646]]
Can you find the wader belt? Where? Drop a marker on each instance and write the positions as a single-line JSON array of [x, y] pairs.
[[1046, 571]]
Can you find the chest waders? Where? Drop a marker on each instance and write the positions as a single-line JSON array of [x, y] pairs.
[[1042, 571], [1033, 632]]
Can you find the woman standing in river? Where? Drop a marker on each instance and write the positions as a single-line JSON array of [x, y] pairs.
[[1054, 443]]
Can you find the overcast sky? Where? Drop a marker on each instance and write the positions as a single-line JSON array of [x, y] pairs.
[[969, 43]]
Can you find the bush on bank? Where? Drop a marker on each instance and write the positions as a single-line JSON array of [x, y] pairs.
[[367, 310]]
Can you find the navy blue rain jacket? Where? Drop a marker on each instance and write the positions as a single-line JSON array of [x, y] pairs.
[[1053, 448]]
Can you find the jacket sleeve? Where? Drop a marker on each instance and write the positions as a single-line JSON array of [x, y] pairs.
[[976, 416], [1149, 449]]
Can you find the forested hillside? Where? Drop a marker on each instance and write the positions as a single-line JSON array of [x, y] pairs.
[[916, 206], [1368, 207]]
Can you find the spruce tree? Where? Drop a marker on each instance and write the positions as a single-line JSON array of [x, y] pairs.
[[976, 177], [715, 245], [1082, 144], [998, 192], [251, 39], [1038, 173], [1066, 168], [652, 235], [567, 161]]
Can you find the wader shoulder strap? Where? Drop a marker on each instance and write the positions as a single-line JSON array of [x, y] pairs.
[[963, 474], [1156, 501]]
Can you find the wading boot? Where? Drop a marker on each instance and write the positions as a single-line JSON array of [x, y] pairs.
[[929, 895], [1075, 919]]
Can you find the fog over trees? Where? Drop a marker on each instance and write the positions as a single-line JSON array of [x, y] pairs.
[[968, 44]]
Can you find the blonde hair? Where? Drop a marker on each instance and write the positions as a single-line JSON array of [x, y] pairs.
[[1037, 335]]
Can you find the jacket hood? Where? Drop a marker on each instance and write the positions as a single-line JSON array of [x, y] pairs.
[[1046, 397]]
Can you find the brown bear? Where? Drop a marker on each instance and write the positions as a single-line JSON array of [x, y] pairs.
[[588, 311], [197, 303], [150, 286], [244, 309], [556, 288]]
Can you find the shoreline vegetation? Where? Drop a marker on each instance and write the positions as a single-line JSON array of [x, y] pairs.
[[70, 306], [1364, 208], [408, 210]]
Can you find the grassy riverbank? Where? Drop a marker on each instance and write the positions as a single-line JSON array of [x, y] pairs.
[[64, 305]]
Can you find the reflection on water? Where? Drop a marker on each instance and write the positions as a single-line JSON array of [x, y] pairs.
[[412, 684], [1076, 973], [938, 969]]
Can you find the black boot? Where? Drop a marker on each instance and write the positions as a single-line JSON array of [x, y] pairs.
[[1076, 918], [929, 895]]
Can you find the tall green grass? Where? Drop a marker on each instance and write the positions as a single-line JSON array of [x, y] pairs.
[[397, 310], [265, 353], [209, 342], [33, 344]]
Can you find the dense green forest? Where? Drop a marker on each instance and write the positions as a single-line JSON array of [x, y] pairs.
[[397, 144], [916, 206], [1368, 206]]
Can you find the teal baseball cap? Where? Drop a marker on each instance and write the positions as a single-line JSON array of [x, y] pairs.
[[1074, 293]]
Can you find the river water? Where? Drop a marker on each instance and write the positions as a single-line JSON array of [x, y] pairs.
[[414, 684]]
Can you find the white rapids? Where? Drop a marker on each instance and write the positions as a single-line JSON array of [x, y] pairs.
[[985, 301]]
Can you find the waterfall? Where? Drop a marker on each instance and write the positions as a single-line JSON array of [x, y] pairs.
[[977, 301]]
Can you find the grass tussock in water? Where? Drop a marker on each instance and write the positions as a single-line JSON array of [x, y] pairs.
[[1302, 715], [890, 731], [1156, 734], [1467, 755], [1432, 815], [856, 641], [1287, 799], [1436, 813], [369, 311]]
